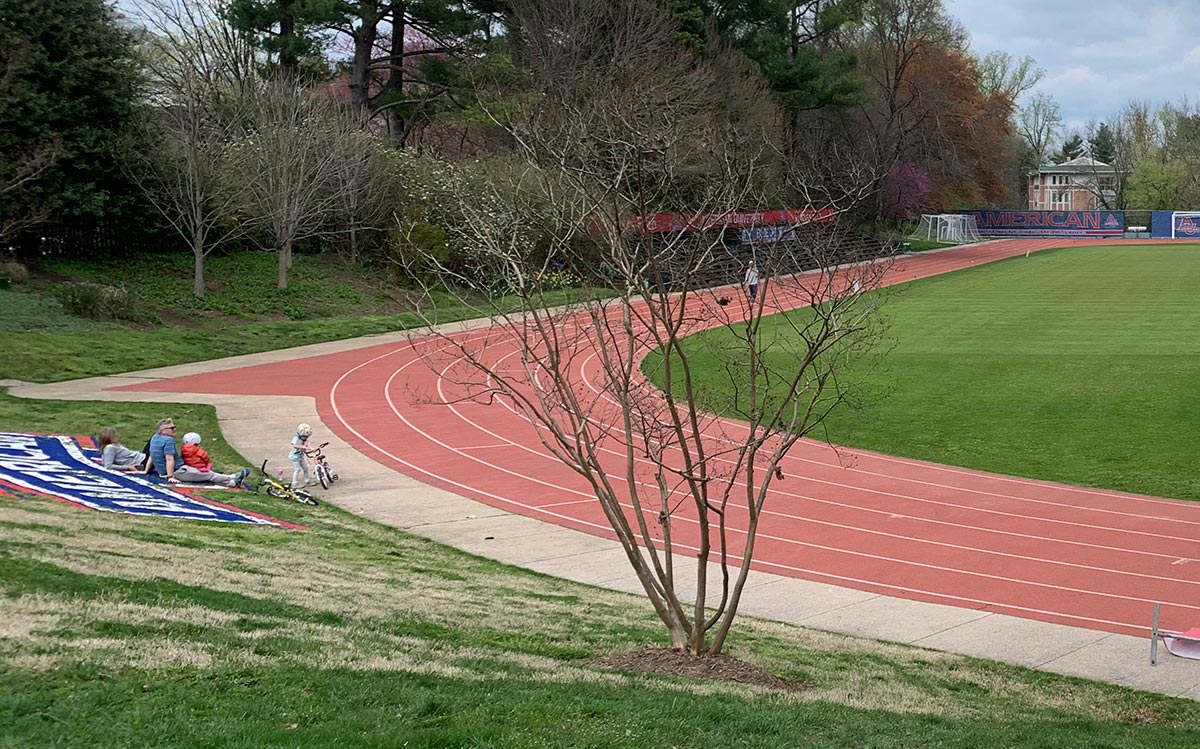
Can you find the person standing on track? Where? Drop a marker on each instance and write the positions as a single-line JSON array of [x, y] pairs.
[[751, 280]]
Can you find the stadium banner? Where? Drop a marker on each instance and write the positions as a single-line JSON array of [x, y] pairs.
[[1091, 224], [661, 223], [55, 466], [766, 234], [1160, 224], [1187, 227]]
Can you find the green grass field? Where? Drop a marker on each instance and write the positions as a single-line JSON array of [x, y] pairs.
[[1080, 365]]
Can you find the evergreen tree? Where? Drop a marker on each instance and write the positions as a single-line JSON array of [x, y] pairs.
[[70, 79], [1103, 145], [787, 39], [292, 32], [1072, 148]]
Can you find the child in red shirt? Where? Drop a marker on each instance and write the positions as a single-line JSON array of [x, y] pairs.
[[194, 455]]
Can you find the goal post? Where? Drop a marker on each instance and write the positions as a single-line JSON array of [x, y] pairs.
[[949, 228], [1185, 224]]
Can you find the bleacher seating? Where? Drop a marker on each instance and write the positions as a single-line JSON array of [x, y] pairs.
[[725, 263]]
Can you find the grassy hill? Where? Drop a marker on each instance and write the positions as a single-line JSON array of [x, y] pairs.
[[158, 321]]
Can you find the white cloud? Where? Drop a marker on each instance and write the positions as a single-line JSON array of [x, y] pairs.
[[1098, 54]]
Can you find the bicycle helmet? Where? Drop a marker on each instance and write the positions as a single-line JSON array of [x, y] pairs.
[[191, 438], [304, 430]]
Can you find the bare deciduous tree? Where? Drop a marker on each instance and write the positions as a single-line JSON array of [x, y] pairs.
[[285, 161], [1000, 73], [199, 68], [183, 175], [620, 124], [1038, 123]]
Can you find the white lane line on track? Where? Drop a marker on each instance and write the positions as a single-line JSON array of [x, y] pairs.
[[951, 570], [443, 478], [586, 496], [913, 498]]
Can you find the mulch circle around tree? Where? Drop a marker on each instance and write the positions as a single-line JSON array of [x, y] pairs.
[[720, 667]]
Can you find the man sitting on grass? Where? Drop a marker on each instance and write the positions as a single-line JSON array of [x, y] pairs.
[[165, 457]]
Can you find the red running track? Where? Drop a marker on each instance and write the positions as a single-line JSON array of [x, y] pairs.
[[1082, 557]]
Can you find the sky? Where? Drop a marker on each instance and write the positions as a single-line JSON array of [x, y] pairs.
[[1098, 54]]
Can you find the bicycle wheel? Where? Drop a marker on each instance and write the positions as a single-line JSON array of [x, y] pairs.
[[305, 498], [323, 476], [276, 492]]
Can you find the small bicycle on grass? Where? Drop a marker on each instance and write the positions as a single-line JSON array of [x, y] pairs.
[[325, 473], [276, 488]]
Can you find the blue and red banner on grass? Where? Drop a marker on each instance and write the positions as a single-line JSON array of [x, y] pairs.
[[1090, 224], [58, 467]]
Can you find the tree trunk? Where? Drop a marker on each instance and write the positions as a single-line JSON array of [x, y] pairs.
[[360, 70], [395, 81], [289, 63], [285, 262], [198, 266]]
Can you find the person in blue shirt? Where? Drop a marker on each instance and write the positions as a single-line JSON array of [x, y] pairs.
[[164, 456]]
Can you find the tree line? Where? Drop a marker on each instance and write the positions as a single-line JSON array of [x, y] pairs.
[[337, 124]]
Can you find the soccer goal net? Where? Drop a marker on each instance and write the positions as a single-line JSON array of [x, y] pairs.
[[951, 228], [1185, 224]]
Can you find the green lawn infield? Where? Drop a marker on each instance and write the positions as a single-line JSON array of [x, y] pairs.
[[1079, 365]]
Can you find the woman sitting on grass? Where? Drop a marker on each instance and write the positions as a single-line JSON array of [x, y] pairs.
[[117, 456]]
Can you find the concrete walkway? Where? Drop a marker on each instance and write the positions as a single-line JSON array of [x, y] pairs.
[[373, 491]]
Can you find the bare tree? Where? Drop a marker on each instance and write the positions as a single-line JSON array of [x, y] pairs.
[[199, 68], [1000, 73], [618, 125], [183, 175], [284, 162], [365, 187], [1038, 123]]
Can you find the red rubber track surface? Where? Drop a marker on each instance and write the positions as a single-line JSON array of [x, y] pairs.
[[1082, 557]]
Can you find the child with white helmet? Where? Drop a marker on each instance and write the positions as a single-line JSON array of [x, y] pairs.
[[197, 466], [299, 455], [194, 455]]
